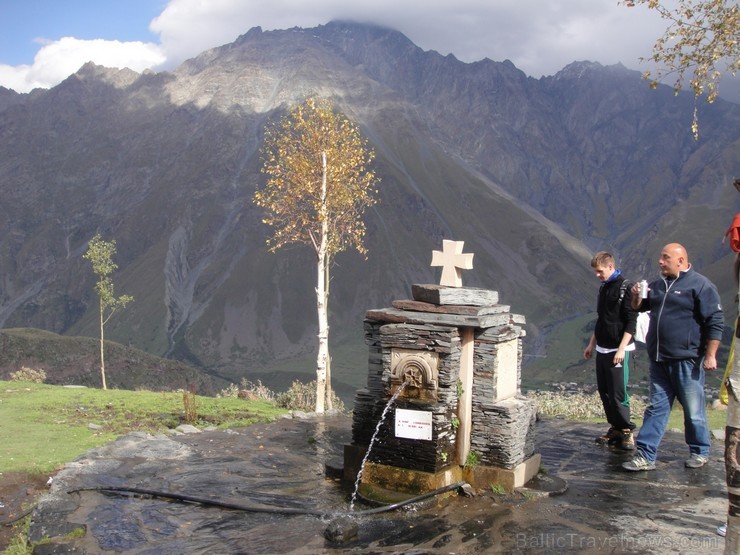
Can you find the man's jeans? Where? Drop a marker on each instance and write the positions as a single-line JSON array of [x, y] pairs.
[[670, 380]]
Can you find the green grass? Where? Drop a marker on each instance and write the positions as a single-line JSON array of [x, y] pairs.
[[498, 489], [45, 426], [20, 544], [716, 419], [588, 408]]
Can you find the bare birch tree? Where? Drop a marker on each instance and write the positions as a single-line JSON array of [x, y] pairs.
[[100, 254]]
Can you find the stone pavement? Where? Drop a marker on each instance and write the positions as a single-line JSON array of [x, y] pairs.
[[582, 502]]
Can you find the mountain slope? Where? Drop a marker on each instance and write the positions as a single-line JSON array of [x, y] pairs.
[[532, 174]]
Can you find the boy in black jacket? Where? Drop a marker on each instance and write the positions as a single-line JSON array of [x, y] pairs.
[[613, 341]]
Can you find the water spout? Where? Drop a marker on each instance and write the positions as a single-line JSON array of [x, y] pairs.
[[372, 441]]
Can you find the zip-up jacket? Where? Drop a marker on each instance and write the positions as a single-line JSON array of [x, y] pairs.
[[614, 317], [685, 313]]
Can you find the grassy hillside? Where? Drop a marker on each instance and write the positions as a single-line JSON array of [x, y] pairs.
[[76, 361]]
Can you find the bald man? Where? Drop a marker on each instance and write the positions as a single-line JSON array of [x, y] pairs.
[[686, 324]]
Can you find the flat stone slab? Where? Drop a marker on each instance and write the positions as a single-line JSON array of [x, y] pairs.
[[582, 501], [439, 319], [445, 295], [419, 306]]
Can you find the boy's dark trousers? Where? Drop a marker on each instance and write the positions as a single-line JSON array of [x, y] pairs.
[[612, 383]]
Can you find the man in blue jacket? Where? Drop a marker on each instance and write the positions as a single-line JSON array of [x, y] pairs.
[[612, 340], [686, 325]]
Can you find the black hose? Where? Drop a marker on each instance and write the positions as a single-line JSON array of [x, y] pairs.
[[263, 509], [17, 518], [422, 497]]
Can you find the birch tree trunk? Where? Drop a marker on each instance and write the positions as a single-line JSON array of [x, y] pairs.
[[328, 396], [321, 298], [102, 349]]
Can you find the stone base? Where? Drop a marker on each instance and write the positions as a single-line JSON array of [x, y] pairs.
[[483, 477], [390, 484]]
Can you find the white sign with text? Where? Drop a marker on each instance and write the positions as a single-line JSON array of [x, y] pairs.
[[413, 424]]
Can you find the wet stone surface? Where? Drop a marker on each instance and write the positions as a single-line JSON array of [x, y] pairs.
[[288, 471]]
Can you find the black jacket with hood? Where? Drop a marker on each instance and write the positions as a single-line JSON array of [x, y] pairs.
[[614, 317]]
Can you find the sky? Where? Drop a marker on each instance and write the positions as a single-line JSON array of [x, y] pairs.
[[44, 41]]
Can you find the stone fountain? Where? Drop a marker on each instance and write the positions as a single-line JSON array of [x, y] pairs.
[[461, 415]]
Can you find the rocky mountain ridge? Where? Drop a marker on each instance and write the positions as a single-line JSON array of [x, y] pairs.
[[533, 174]]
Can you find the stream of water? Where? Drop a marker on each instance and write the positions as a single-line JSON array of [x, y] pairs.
[[372, 441]]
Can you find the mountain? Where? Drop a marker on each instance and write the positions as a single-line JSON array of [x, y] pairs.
[[533, 174]]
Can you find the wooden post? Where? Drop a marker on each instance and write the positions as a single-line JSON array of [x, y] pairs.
[[465, 403]]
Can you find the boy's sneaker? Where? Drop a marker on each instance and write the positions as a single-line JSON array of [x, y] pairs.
[[722, 530], [696, 461], [627, 440], [611, 437], [637, 463]]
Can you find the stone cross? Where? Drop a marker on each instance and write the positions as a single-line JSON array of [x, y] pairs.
[[453, 261]]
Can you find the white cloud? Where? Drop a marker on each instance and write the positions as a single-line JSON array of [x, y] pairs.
[[16, 78], [188, 27], [538, 37], [55, 61]]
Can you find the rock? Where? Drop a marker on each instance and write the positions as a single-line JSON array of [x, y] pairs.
[[300, 415], [719, 435], [187, 429], [341, 530], [467, 490]]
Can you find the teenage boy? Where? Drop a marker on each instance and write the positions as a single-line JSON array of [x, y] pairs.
[[612, 340]]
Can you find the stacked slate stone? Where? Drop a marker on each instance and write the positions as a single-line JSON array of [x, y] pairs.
[[423, 455], [502, 431], [370, 401], [416, 454], [484, 360]]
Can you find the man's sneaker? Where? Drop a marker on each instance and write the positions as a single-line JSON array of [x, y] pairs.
[[637, 463], [696, 461], [627, 440], [611, 437]]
